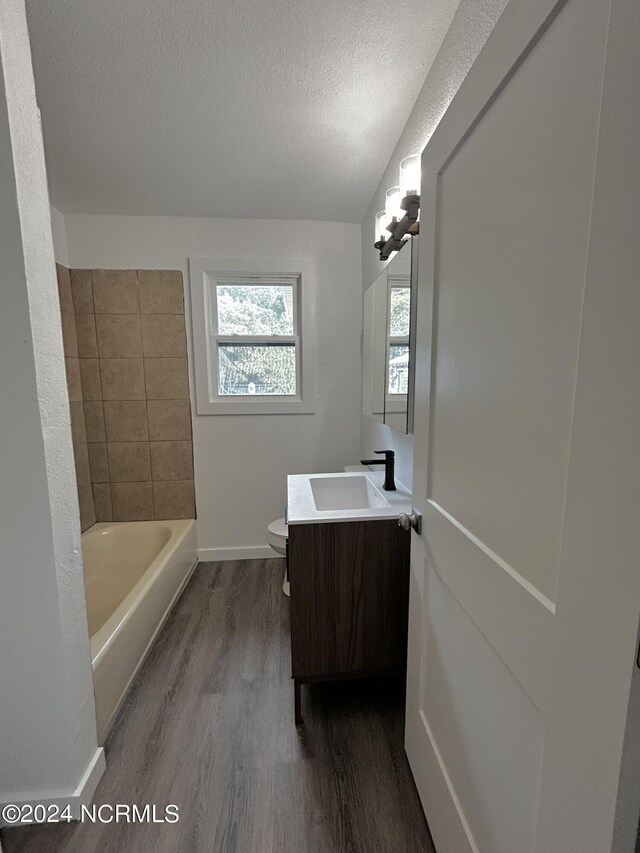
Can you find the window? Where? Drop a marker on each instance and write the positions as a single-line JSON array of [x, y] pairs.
[[249, 329], [398, 340]]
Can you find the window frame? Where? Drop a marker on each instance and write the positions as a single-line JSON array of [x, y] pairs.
[[205, 275]]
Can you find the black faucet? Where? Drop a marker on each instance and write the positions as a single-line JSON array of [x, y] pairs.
[[389, 466]]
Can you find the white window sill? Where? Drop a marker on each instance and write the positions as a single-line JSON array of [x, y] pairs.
[[244, 406]]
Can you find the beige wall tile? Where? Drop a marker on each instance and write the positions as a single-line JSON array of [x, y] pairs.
[[81, 291], [74, 384], [169, 420], [122, 378], [115, 291], [118, 335], [171, 460], [102, 501], [69, 339], [98, 463], [160, 291], [94, 420], [78, 433], [132, 501], [174, 499], [166, 378], [87, 510], [114, 470], [129, 461], [64, 288], [83, 475], [163, 335], [126, 420], [90, 376], [86, 335]]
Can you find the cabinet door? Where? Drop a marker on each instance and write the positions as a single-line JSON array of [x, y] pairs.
[[349, 597]]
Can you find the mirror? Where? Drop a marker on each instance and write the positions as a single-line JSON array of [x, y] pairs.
[[389, 311]]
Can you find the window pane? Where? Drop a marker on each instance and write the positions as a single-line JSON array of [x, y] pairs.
[[398, 369], [255, 309], [399, 311], [248, 369]]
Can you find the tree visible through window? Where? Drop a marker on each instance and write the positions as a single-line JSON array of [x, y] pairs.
[[398, 340], [257, 338]]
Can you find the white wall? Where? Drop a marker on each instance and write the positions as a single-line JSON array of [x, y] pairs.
[[241, 462], [47, 715], [469, 30]]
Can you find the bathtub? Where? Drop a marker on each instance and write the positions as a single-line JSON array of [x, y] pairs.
[[134, 573]]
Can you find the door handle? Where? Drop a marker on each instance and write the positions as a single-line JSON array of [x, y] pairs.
[[408, 520]]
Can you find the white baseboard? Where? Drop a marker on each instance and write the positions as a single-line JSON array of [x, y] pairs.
[[82, 795], [250, 552]]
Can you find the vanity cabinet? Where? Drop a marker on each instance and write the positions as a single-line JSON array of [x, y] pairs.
[[349, 600]]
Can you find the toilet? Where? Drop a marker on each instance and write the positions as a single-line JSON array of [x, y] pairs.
[[277, 535]]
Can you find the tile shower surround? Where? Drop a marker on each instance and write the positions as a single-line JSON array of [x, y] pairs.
[[125, 348]]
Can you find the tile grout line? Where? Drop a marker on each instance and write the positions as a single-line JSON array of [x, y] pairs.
[[104, 418], [146, 402]]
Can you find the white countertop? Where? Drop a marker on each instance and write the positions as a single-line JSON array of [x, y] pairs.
[[301, 507]]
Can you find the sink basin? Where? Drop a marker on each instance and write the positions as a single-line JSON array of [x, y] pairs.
[[348, 496], [346, 493]]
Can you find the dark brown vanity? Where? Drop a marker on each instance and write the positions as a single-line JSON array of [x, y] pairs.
[[349, 600]]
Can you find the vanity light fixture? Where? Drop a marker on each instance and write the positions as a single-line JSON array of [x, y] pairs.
[[402, 210]]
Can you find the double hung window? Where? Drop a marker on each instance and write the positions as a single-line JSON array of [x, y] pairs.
[[398, 339], [253, 338]]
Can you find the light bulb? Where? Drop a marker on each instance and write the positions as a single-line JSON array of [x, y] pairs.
[[381, 226], [410, 175], [392, 207]]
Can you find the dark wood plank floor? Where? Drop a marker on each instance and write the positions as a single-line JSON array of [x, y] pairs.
[[209, 726]]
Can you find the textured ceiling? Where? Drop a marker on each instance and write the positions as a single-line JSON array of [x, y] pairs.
[[234, 108]]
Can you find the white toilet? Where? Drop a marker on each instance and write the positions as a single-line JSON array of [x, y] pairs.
[[277, 535]]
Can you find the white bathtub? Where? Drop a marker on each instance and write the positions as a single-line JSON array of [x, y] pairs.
[[134, 573]]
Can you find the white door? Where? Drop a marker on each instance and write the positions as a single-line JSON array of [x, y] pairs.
[[525, 588]]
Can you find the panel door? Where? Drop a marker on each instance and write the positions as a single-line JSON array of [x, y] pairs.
[[525, 583]]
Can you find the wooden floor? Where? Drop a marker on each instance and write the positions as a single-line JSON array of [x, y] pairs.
[[208, 726]]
